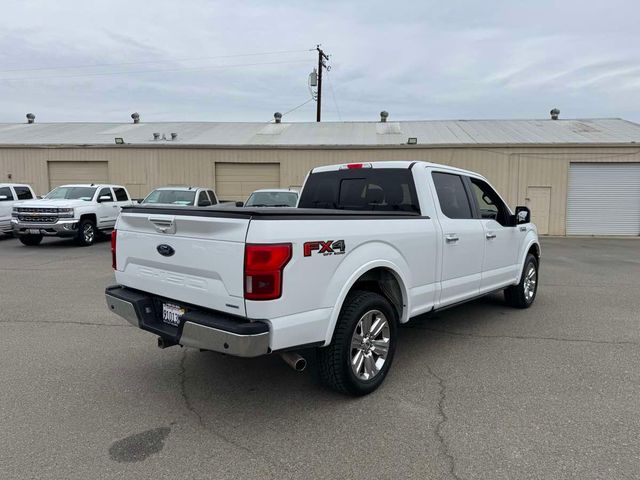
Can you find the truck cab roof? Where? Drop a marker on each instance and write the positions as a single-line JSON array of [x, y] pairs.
[[398, 164]]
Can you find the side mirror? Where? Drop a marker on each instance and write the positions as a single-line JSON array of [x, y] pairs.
[[523, 215], [204, 203], [3, 197], [104, 198], [239, 204]]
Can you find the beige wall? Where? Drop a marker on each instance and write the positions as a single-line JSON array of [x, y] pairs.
[[511, 170]]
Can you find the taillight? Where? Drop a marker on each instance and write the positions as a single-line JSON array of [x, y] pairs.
[[114, 236], [263, 265]]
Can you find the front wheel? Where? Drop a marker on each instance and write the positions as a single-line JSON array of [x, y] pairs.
[[30, 240], [364, 342], [86, 233], [523, 294]]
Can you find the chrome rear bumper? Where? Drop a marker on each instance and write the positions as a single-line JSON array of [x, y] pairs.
[[206, 330]]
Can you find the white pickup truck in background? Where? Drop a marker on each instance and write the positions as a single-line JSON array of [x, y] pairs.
[[78, 211], [10, 195], [369, 247], [181, 195]]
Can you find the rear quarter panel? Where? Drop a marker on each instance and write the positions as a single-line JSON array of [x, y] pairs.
[[318, 283]]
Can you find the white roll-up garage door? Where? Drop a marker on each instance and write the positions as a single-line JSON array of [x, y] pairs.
[[62, 173], [604, 199]]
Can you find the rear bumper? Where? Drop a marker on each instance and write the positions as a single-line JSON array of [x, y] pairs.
[[61, 228], [204, 329]]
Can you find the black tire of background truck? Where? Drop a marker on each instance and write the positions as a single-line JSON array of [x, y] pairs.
[[334, 361], [80, 236], [30, 240], [516, 295]]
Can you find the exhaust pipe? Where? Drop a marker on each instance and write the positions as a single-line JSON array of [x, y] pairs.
[[295, 361], [165, 343]]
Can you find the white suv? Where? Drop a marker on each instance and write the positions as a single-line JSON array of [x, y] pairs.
[[10, 195]]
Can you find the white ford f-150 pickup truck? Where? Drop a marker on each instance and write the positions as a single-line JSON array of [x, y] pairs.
[[78, 211], [369, 247]]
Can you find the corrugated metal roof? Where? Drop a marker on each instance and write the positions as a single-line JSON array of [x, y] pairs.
[[435, 132]]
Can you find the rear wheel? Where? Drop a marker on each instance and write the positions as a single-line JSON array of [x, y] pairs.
[[30, 240], [86, 233], [364, 342], [523, 294]]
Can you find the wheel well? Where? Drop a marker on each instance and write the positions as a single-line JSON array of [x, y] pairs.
[[535, 251], [382, 281], [89, 216]]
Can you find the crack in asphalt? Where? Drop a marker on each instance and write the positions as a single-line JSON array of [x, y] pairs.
[[194, 411], [530, 337], [444, 444], [67, 322]]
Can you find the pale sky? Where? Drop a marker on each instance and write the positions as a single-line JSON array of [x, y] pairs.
[[419, 60]]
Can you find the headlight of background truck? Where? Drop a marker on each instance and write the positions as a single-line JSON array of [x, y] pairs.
[[65, 212]]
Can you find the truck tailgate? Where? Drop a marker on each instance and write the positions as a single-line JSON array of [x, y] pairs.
[[184, 257]]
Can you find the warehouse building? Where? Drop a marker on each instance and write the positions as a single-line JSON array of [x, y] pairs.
[[579, 177]]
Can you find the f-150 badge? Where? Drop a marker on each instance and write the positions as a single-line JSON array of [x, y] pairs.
[[330, 247]]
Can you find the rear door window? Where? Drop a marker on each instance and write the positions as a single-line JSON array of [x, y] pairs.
[[377, 189], [203, 199], [452, 195], [212, 196], [121, 194], [23, 193]]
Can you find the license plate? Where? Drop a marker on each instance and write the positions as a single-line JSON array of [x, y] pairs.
[[34, 231], [172, 314]]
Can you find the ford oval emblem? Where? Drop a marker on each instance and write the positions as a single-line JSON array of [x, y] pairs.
[[165, 250]]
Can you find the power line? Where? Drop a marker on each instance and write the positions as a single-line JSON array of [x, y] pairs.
[[131, 72], [98, 65], [295, 108]]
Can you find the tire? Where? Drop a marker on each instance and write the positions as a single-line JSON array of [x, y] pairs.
[[524, 293], [86, 233], [361, 308], [30, 240]]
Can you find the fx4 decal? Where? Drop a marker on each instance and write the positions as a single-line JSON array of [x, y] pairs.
[[329, 247]]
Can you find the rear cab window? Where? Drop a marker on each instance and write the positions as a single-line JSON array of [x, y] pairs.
[[366, 189]]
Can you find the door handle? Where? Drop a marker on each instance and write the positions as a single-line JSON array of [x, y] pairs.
[[451, 238], [490, 235], [523, 229]]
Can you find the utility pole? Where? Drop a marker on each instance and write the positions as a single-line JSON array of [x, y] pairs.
[[321, 65]]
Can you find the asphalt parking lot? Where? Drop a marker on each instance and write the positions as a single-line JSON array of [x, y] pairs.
[[481, 391]]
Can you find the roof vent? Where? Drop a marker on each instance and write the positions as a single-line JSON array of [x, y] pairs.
[[31, 118], [156, 136], [278, 117], [384, 115], [174, 136], [136, 117], [555, 113]]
